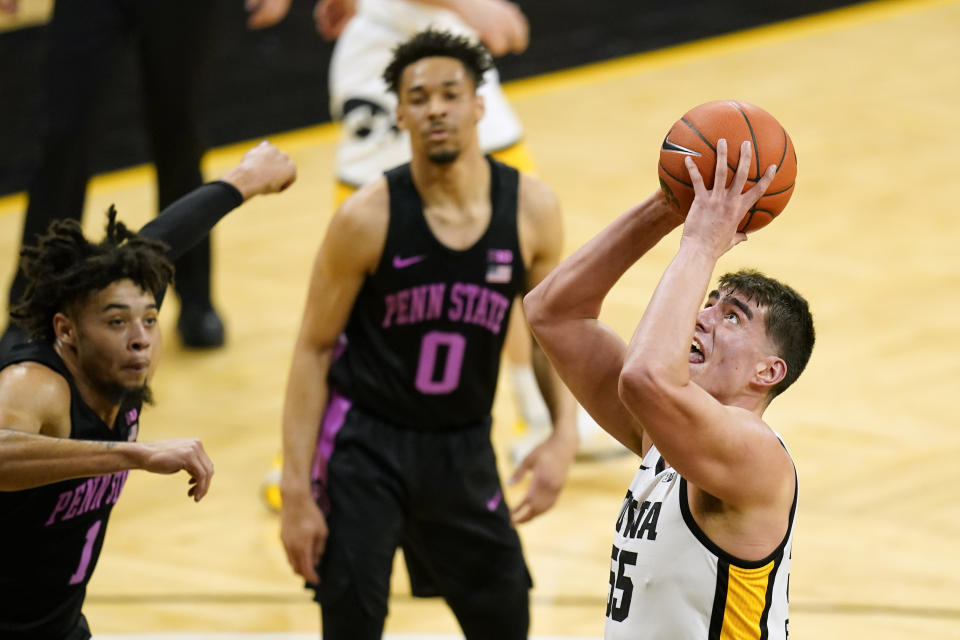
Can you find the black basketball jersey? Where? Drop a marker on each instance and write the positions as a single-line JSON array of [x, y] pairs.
[[51, 536], [423, 340]]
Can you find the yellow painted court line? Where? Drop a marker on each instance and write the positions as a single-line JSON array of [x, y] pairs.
[[586, 75], [796, 28]]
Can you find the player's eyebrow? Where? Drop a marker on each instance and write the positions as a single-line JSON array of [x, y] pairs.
[[740, 304]]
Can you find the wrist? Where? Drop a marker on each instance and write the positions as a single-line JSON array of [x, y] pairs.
[[134, 454], [567, 438], [242, 180], [295, 490], [695, 247]]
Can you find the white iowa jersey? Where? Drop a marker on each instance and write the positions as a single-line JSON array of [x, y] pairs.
[[668, 581], [371, 143]]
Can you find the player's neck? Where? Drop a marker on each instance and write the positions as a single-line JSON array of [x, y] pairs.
[[461, 183], [105, 407]]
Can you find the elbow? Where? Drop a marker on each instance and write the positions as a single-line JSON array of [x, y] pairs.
[[638, 384], [533, 309]]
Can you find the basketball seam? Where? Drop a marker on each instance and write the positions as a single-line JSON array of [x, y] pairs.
[[784, 154], [670, 175], [702, 137], [753, 139]]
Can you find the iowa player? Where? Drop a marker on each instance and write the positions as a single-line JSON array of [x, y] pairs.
[[702, 542], [387, 416], [70, 399]]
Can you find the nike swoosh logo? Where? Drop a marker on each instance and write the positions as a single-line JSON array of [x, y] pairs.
[[403, 263], [675, 148], [494, 502]]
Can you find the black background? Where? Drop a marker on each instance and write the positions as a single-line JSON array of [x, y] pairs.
[[274, 80]]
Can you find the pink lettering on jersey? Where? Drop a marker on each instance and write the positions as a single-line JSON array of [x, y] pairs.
[[414, 305], [468, 302], [88, 496]]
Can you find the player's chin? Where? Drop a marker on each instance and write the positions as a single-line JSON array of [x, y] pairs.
[[443, 156], [135, 394]]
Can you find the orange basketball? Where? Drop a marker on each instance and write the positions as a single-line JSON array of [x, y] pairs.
[[696, 135]]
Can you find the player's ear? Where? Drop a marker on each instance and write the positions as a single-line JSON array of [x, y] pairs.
[[64, 329], [399, 116], [481, 106], [770, 371]]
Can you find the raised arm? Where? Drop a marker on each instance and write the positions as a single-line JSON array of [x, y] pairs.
[[35, 448], [563, 310], [712, 437], [350, 251], [264, 169]]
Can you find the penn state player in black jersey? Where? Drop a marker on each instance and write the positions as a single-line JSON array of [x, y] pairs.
[[70, 399], [387, 417]]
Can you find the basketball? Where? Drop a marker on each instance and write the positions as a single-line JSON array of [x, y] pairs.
[[696, 135]]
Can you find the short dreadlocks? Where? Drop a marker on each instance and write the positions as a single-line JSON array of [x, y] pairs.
[[64, 268]]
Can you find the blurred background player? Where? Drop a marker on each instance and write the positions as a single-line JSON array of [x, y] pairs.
[[85, 40], [366, 32], [386, 425], [70, 398]]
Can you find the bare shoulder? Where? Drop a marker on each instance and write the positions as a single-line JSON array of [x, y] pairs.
[[34, 398], [367, 209], [538, 202], [540, 226], [358, 229]]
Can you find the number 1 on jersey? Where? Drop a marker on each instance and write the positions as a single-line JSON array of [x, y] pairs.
[[86, 554], [454, 345]]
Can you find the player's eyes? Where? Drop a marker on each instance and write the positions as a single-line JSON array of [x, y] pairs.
[[733, 317]]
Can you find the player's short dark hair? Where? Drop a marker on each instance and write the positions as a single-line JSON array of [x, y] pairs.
[[788, 323], [432, 43], [64, 268]]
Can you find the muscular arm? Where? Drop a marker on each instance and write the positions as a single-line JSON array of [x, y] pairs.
[[350, 250], [722, 449], [35, 448], [563, 311]]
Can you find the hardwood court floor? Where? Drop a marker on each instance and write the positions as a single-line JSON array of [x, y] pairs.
[[870, 98]]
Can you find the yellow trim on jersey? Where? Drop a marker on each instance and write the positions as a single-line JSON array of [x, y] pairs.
[[517, 156], [746, 600]]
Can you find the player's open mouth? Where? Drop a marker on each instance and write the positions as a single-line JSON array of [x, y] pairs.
[[696, 352]]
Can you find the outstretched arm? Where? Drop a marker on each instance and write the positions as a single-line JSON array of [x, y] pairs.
[[35, 399], [563, 311], [264, 169]]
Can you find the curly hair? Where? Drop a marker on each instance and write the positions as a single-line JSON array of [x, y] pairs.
[[788, 321], [432, 43], [64, 268]]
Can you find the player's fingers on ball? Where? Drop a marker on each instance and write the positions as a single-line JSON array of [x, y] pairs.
[[743, 168], [758, 189], [720, 175], [694, 172]]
